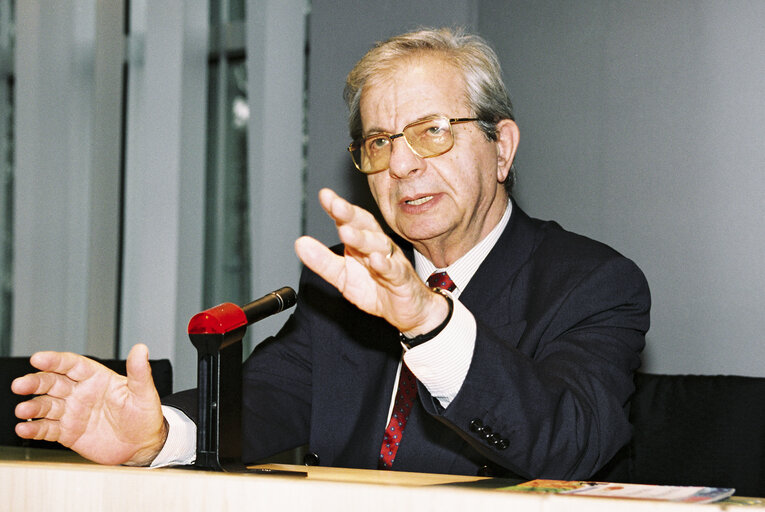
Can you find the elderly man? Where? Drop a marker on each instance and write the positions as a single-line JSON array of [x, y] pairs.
[[479, 341]]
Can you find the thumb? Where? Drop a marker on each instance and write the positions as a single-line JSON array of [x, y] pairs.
[[139, 376]]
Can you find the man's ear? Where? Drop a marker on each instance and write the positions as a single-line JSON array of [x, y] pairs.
[[507, 144]]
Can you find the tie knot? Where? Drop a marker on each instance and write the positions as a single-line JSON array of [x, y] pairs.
[[441, 280]]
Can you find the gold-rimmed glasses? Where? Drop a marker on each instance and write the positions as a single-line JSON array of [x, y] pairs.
[[426, 138]]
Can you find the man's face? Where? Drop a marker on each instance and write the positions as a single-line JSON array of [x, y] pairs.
[[446, 204]]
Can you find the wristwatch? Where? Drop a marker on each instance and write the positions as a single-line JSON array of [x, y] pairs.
[[422, 338]]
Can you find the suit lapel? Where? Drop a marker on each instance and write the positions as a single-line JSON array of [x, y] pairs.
[[495, 276]]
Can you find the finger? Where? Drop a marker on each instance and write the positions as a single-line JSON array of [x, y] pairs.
[[387, 264], [43, 383], [139, 379], [319, 258], [375, 251], [329, 198], [25, 385], [41, 407], [329, 266], [366, 242], [74, 366], [343, 212], [47, 430]]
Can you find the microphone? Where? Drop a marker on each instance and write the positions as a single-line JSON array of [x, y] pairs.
[[227, 318], [274, 302]]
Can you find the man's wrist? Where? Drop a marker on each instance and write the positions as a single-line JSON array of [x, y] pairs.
[[422, 338], [145, 456]]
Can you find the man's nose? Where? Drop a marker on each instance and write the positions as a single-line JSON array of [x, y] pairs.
[[403, 160]]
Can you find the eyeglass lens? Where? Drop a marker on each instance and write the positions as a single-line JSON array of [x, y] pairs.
[[427, 138]]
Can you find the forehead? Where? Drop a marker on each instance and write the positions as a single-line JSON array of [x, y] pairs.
[[411, 89]]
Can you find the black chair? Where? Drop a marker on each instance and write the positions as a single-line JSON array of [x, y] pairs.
[[695, 430], [12, 367]]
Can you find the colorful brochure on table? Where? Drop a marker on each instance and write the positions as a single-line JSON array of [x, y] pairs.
[[615, 490]]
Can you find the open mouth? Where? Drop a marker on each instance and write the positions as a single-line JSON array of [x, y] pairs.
[[419, 200]]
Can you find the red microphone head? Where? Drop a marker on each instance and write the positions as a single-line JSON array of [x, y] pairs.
[[220, 319]]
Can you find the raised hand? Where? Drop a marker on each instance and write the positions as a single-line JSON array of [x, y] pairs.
[[98, 413], [373, 273]]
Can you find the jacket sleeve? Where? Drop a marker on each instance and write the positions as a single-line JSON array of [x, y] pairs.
[[276, 389]]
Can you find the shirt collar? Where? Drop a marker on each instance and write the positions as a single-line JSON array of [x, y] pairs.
[[462, 270]]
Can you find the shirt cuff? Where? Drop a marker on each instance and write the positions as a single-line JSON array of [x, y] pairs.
[[442, 363], [181, 444]]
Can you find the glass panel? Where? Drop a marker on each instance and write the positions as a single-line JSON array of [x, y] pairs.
[[237, 190], [236, 10], [6, 174], [226, 11], [212, 244], [215, 11], [227, 245]]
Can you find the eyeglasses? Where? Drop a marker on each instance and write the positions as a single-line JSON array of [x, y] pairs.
[[426, 138]]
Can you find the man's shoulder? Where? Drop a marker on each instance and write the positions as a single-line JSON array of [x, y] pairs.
[[551, 240], [557, 255], [561, 261]]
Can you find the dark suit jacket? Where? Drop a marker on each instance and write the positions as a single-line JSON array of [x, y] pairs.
[[561, 322]]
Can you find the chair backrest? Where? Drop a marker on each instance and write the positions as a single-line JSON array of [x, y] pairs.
[[699, 430], [12, 367]]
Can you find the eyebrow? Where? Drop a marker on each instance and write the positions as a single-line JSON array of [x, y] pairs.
[[376, 130]]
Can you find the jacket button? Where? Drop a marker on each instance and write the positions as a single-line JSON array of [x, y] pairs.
[[484, 471], [311, 459], [476, 425], [502, 444]]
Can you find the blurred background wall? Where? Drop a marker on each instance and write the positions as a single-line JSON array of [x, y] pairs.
[[159, 158]]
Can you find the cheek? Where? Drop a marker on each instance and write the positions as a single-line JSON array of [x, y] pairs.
[[473, 178], [461, 175], [378, 189]]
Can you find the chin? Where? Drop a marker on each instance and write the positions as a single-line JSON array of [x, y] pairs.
[[420, 233]]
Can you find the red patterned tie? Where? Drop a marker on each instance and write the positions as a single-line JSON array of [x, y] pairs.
[[406, 393], [441, 280]]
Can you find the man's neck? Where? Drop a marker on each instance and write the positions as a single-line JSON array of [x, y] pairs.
[[462, 270]]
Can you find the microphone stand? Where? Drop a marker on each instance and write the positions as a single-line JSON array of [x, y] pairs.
[[217, 335]]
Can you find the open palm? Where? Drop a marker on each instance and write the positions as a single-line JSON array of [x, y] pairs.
[[85, 406]]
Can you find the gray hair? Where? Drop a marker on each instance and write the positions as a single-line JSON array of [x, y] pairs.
[[486, 94]]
